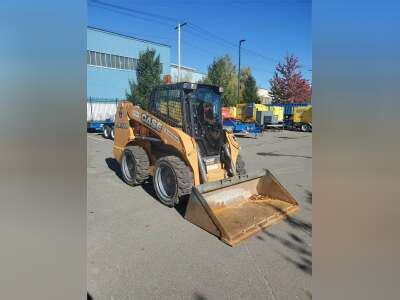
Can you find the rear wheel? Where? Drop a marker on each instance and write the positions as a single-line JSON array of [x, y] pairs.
[[134, 165], [172, 179], [106, 131], [112, 133], [240, 166], [304, 127]]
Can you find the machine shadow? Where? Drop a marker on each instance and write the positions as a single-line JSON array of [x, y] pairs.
[[198, 296], [294, 242], [277, 154], [147, 186], [287, 137], [180, 208], [113, 165]]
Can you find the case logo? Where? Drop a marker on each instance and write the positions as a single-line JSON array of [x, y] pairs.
[[152, 122]]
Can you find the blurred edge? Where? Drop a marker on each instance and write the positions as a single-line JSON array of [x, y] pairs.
[[43, 149], [43, 161], [355, 145]]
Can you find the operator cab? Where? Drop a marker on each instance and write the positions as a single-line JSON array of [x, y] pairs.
[[196, 108]]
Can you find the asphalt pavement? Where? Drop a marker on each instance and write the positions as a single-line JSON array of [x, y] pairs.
[[138, 248]]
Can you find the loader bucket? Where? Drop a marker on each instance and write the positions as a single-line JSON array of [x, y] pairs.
[[236, 208]]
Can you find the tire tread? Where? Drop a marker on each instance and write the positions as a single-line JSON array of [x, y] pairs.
[[142, 164], [183, 173]]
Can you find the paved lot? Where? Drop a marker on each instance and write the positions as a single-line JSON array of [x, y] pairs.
[[140, 249]]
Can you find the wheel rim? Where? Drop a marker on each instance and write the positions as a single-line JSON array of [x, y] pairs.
[[105, 132], [112, 133], [129, 166], [165, 182]]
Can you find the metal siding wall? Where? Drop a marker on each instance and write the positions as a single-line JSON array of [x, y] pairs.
[[288, 107], [112, 83], [108, 83]]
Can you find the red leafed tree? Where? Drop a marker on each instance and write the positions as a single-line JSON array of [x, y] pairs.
[[288, 84]]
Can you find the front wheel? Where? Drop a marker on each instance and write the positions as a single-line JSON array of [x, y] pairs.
[[172, 179]]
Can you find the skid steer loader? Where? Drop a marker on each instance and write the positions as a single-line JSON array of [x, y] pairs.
[[180, 143]]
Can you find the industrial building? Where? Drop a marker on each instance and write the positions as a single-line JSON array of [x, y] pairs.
[[187, 74], [111, 62], [264, 95]]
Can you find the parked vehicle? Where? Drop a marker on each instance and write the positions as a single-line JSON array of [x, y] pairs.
[[272, 117], [100, 116], [242, 129], [288, 107], [247, 112], [301, 119], [187, 152]]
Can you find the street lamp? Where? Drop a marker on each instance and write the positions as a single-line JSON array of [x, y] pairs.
[[179, 48], [240, 45]]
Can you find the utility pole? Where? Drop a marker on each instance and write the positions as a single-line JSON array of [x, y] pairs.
[[179, 48], [240, 45]]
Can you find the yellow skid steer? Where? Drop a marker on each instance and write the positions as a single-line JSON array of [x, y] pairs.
[[179, 143]]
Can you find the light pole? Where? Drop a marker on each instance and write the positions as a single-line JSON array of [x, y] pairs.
[[240, 45], [179, 48]]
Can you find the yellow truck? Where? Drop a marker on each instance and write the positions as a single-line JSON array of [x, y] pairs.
[[302, 119], [248, 111], [267, 116], [274, 116]]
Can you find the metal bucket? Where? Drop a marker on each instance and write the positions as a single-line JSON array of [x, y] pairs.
[[236, 208]]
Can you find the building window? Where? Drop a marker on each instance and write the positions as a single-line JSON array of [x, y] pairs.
[[103, 60], [92, 58], [110, 61], [108, 58], [113, 61]]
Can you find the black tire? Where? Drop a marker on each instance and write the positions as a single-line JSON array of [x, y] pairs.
[[304, 128], [240, 166], [172, 180], [112, 133], [106, 131], [134, 165]]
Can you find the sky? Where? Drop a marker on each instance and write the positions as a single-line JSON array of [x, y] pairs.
[[271, 28]]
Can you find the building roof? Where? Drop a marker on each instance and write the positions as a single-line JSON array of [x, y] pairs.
[[183, 67], [128, 36]]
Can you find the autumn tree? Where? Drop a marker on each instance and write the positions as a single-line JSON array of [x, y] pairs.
[[288, 84], [222, 72], [148, 76]]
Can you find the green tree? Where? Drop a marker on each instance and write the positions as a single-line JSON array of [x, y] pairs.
[[244, 74], [148, 76], [222, 72], [250, 90]]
